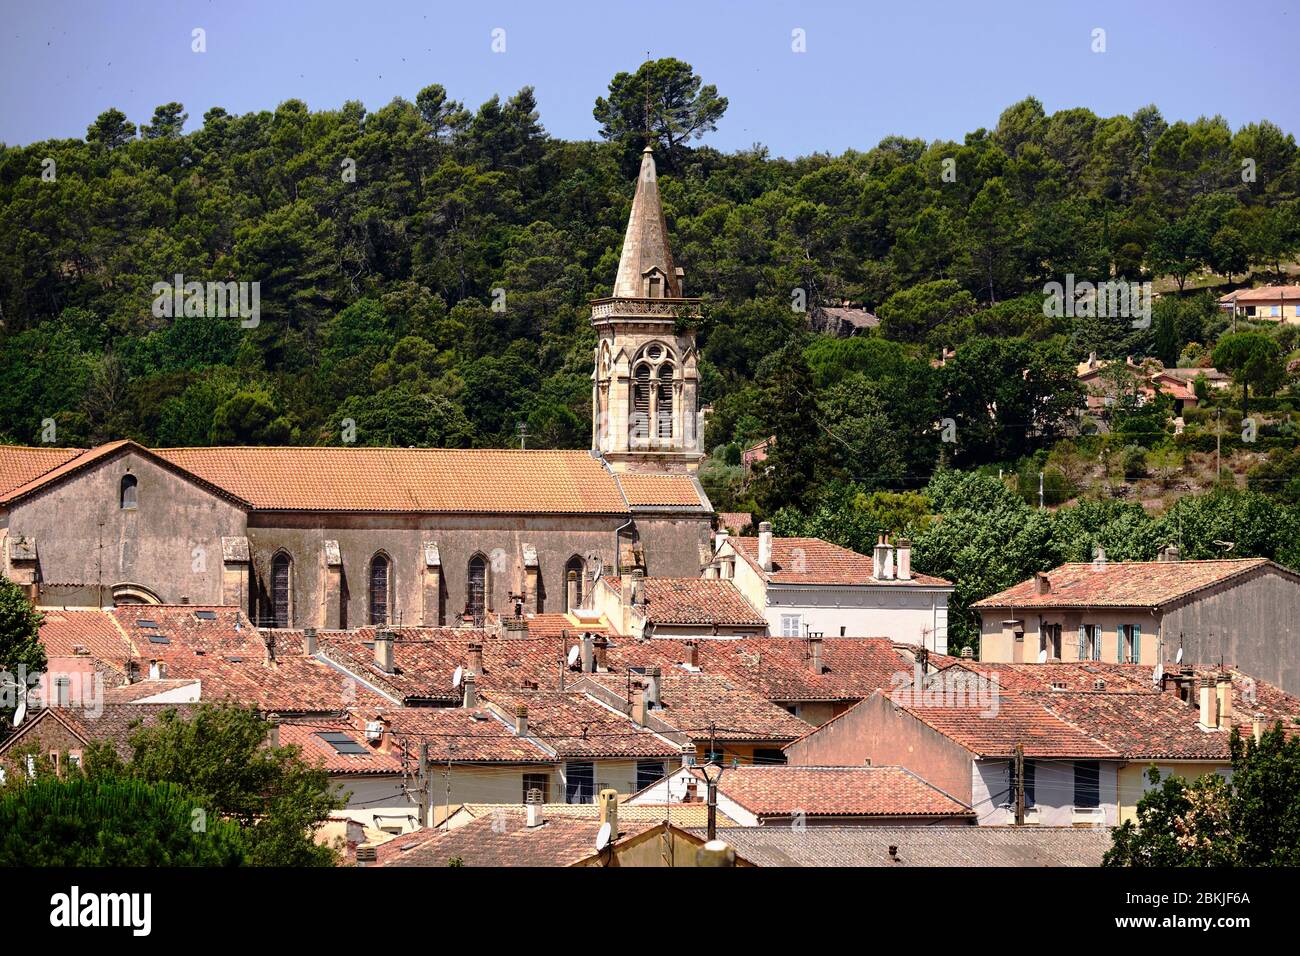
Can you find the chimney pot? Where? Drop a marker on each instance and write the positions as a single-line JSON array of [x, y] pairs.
[[815, 652], [1225, 700], [765, 545], [693, 653], [476, 658], [640, 704], [309, 641], [1042, 583], [521, 720], [904, 553], [588, 654], [468, 685], [1209, 700], [608, 800], [600, 653], [384, 651], [652, 687]]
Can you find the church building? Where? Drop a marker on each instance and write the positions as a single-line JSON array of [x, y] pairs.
[[348, 537]]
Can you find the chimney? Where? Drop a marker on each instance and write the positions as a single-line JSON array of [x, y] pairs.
[[693, 654], [652, 688], [533, 804], [692, 792], [468, 685], [476, 659], [1092, 360], [384, 651], [1257, 726], [521, 720], [625, 588], [904, 552], [1042, 584], [638, 586], [608, 800], [1224, 688], [882, 561], [572, 587], [1169, 553], [273, 734], [815, 651], [588, 653], [640, 704], [967, 654], [1209, 716], [600, 653], [765, 545], [310, 645]]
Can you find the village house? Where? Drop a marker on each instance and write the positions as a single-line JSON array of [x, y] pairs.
[[59, 737], [765, 796], [1279, 303], [1243, 611], [807, 586]]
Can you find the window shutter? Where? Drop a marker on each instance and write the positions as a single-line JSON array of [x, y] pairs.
[[1083, 642], [1096, 642], [1137, 644]]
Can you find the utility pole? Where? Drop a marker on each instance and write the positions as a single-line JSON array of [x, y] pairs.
[[1218, 446], [1020, 784], [1040, 491], [422, 790]]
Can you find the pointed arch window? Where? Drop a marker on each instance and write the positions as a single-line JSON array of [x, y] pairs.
[[478, 579], [641, 402], [281, 581], [573, 593], [380, 588], [664, 406], [129, 493]]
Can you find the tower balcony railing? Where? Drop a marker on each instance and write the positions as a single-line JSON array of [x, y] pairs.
[[651, 307]]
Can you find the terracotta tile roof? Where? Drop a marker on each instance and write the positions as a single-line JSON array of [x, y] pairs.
[[465, 736], [1139, 724], [1144, 584], [1265, 293], [408, 479], [577, 726], [484, 842], [704, 601], [1063, 675], [678, 814], [814, 561], [20, 465], [116, 723], [780, 668], [735, 521], [554, 625], [319, 751], [64, 632], [228, 656], [836, 791], [133, 693], [425, 660], [660, 490], [1019, 719], [701, 705], [966, 846]]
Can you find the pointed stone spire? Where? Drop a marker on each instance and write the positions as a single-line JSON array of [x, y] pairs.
[[645, 247]]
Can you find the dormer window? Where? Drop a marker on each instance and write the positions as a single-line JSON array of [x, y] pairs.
[[128, 493]]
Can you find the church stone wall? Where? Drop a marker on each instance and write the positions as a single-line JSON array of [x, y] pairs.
[[170, 542]]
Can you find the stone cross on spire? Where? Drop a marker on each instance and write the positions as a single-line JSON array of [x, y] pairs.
[[646, 267]]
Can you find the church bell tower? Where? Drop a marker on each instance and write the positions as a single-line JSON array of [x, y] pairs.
[[645, 387]]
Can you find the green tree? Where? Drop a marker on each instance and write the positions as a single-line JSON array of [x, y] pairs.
[[112, 822], [21, 651], [219, 755], [663, 103], [787, 407], [1254, 360]]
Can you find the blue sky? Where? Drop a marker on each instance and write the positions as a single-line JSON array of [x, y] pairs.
[[921, 68]]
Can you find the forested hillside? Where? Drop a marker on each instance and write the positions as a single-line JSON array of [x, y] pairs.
[[425, 270]]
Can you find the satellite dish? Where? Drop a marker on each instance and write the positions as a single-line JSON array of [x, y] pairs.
[[1157, 673], [1042, 656], [573, 655], [20, 711], [1179, 658], [603, 835], [456, 677]]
